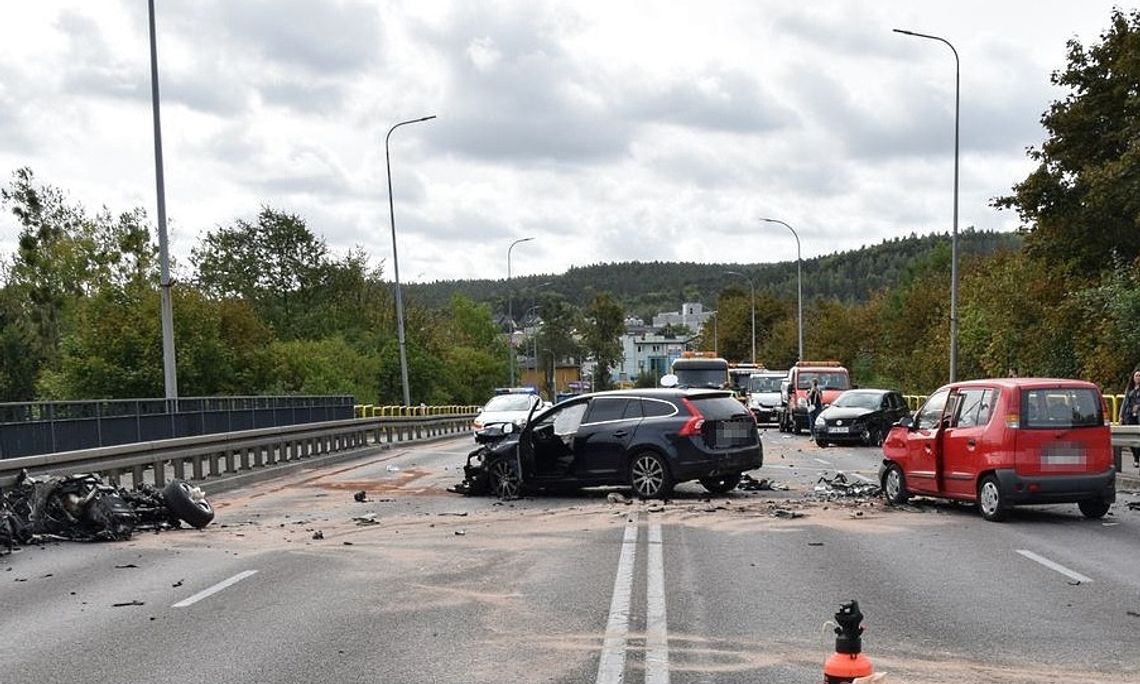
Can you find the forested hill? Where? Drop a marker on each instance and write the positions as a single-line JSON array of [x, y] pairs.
[[646, 288]]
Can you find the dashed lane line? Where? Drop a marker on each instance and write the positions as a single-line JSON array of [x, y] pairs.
[[1072, 574], [657, 635], [206, 593]]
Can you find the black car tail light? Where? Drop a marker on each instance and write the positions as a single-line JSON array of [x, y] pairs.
[[692, 426]]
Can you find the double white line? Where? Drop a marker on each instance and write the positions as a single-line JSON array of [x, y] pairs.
[[611, 668]]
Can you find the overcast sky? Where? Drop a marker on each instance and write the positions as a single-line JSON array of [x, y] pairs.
[[608, 131]]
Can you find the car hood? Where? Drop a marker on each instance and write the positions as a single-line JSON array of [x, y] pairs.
[[844, 413], [765, 398], [491, 417]]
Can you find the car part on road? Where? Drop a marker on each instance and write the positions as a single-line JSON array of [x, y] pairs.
[[840, 486], [751, 484], [82, 507]]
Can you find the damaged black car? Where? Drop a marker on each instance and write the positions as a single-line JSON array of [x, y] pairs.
[[649, 440]]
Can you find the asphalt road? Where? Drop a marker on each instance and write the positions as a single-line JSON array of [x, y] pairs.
[[434, 587]]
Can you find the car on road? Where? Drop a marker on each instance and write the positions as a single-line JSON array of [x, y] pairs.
[[647, 439], [1005, 442], [862, 416], [764, 396], [833, 380], [513, 407]]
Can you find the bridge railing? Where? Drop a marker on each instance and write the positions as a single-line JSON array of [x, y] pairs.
[[205, 457]]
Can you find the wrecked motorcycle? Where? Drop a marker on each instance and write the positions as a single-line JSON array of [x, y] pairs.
[[82, 507]]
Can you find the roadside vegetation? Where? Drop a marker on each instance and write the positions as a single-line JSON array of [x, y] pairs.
[[264, 306]]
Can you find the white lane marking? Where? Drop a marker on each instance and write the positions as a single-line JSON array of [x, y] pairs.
[[1054, 566], [657, 636], [611, 668], [820, 460], [205, 593]]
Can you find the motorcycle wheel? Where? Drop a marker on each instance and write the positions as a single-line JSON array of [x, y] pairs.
[[181, 501]]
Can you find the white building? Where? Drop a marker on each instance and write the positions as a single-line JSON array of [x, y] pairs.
[[649, 352], [691, 315]]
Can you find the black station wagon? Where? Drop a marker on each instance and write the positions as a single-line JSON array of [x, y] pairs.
[[649, 440]]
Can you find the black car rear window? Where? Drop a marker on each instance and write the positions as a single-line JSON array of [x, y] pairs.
[[603, 409], [656, 408], [1061, 408], [718, 408]]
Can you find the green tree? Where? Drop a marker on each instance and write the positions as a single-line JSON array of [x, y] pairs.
[[556, 339], [603, 324], [1082, 202]]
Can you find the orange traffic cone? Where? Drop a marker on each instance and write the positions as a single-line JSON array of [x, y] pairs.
[[848, 661]]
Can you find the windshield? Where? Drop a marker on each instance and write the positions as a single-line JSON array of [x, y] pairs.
[[700, 377], [510, 402], [863, 400], [828, 380], [761, 383]]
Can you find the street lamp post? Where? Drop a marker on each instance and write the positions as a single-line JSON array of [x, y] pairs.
[[396, 264], [510, 310], [752, 288], [954, 231], [166, 313], [799, 283]]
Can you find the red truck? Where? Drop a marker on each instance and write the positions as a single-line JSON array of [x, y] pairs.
[[833, 380]]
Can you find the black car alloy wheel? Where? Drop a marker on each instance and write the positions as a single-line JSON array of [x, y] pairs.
[[649, 475], [505, 481]]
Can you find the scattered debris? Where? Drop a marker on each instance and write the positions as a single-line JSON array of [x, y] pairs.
[[347, 543], [1133, 613], [786, 513], [393, 468], [370, 519], [124, 567], [128, 603], [1134, 505], [656, 509], [815, 543], [177, 584], [618, 498], [840, 487], [751, 484], [460, 533], [457, 514], [1110, 524], [361, 496], [1074, 583], [318, 535]]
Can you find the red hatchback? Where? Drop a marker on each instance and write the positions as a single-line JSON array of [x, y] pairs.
[[1002, 443]]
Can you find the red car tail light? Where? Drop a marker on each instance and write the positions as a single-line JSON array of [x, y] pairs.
[[1012, 419], [692, 426]]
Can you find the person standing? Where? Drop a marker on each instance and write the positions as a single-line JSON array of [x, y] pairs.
[[1130, 409], [815, 405]]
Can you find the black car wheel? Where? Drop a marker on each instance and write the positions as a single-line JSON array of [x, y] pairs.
[[720, 485], [1094, 509], [872, 436], [505, 482], [894, 486], [649, 476], [188, 504], [990, 501]]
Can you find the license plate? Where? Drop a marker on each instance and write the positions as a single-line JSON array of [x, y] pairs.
[[1063, 456], [844, 429], [733, 432]]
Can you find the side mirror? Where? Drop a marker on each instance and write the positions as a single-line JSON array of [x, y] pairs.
[[508, 428], [906, 421], [669, 380]]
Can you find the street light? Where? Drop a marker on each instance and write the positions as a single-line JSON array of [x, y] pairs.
[[166, 313], [751, 287], [396, 263], [534, 337], [510, 310], [954, 231], [799, 282]]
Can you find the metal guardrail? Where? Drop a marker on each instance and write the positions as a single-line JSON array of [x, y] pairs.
[[1124, 436], [204, 457], [372, 411]]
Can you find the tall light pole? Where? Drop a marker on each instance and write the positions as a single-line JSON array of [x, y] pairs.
[[396, 263], [510, 310], [169, 367], [799, 282], [534, 336], [751, 287], [954, 231]]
